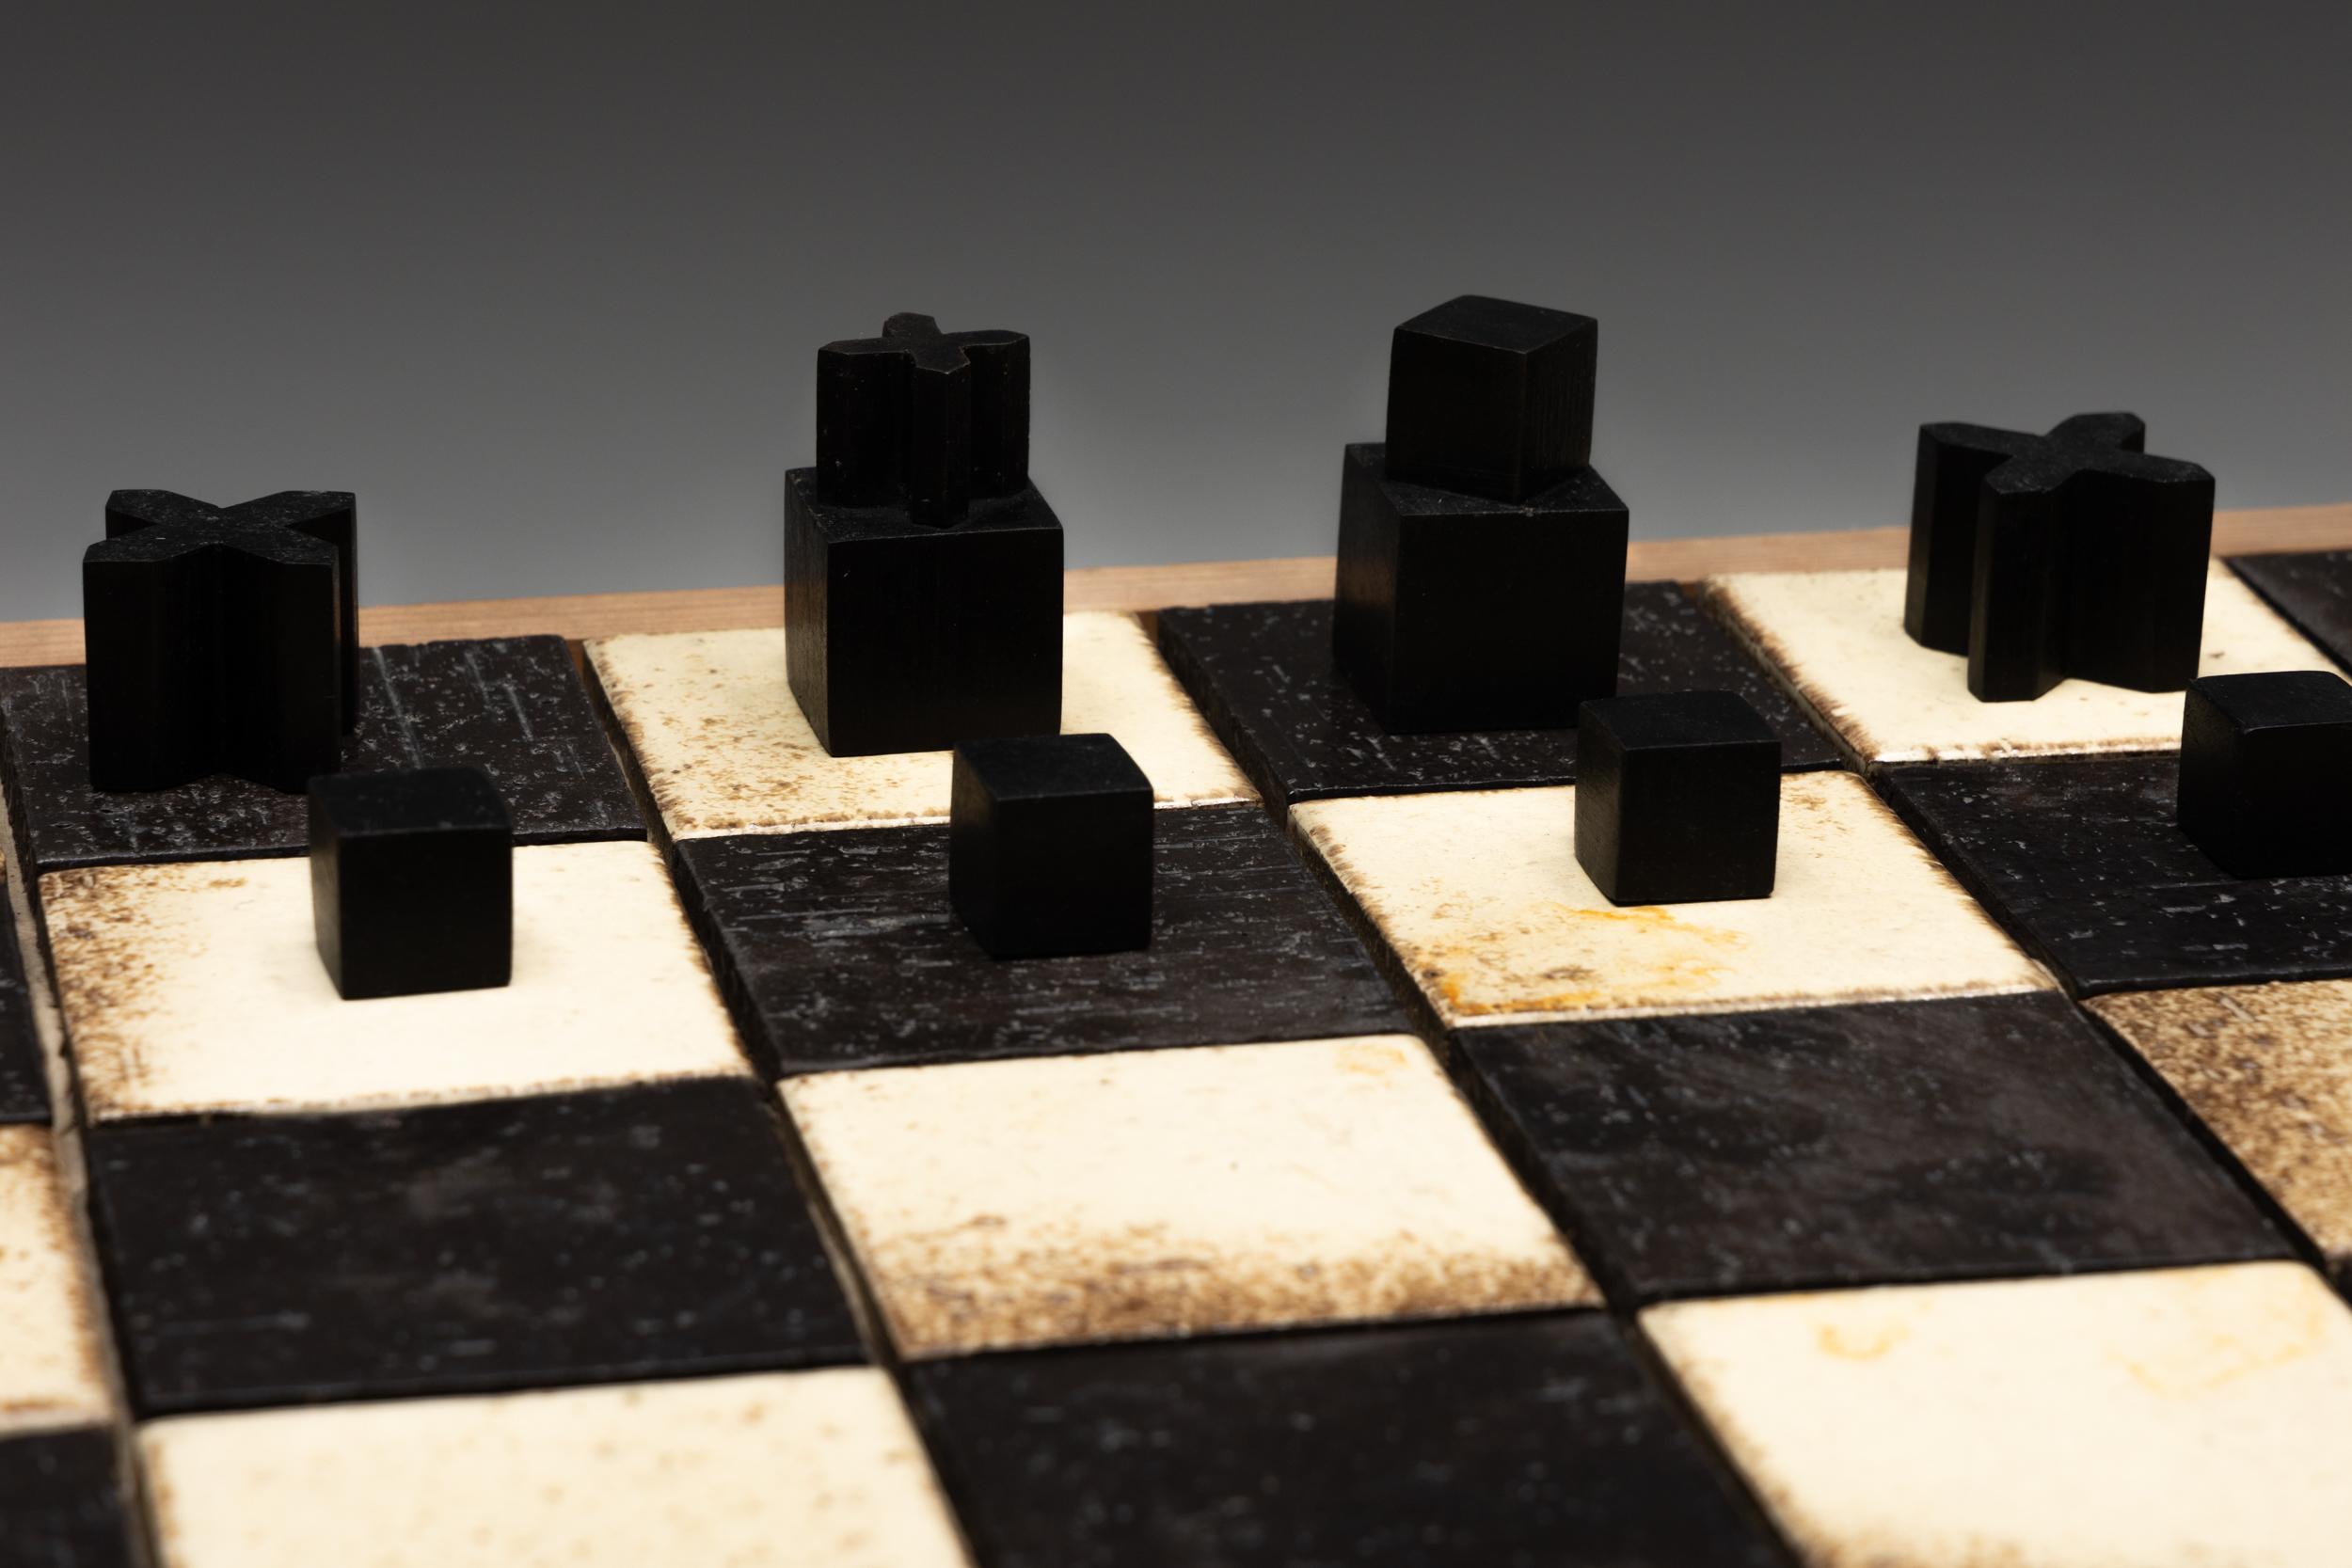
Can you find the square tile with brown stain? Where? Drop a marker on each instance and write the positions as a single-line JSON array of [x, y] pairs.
[[2179, 1418], [1837, 637], [820, 1468], [51, 1355], [2269, 1069], [1065, 1200], [198, 987], [1480, 898], [724, 748]]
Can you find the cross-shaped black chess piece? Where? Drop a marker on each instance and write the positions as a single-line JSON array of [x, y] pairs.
[[2074, 554], [221, 640], [922, 419]]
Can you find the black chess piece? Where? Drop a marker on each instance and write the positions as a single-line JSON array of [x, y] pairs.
[[2070, 554], [1677, 798], [1049, 848], [412, 880], [2266, 771], [922, 569], [1481, 560], [221, 640]]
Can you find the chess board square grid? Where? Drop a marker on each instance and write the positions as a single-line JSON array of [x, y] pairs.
[[721, 746], [516, 706], [1074, 1200], [1836, 639], [1263, 676], [1477, 902]]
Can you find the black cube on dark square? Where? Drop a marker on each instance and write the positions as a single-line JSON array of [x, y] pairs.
[[412, 880], [1456, 613], [905, 637], [1050, 846], [1491, 397], [2266, 772], [1677, 798]]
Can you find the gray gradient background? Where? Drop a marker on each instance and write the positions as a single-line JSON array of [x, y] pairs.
[[543, 284]]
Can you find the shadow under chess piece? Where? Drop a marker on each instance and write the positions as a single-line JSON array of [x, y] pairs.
[[1049, 849], [2070, 554], [221, 640], [412, 882], [1677, 798], [922, 569], [1481, 560], [2267, 770]]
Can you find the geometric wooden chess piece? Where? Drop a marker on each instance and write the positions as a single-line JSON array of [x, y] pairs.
[[412, 880], [221, 640], [2070, 554], [1481, 581], [1049, 845], [1677, 798], [2266, 772], [922, 569]]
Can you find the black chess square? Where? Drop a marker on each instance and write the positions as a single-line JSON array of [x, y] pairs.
[[62, 1502], [839, 949], [516, 706], [1264, 676], [1843, 1147], [2311, 588], [653, 1232], [2084, 862], [1527, 1440], [24, 1078]]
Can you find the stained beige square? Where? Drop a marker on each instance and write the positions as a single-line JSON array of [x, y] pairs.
[[784, 1470], [2182, 1418], [199, 987], [1481, 898], [52, 1367], [1839, 638], [724, 748], [1070, 1199], [2270, 1069]]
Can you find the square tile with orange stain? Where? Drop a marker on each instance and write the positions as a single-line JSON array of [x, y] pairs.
[[52, 1357], [1481, 900]]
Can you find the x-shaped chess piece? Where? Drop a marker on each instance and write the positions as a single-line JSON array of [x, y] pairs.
[[221, 639], [922, 419], [2070, 554]]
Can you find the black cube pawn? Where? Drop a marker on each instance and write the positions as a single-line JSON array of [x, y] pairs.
[[1049, 850], [2266, 772], [1677, 798], [1492, 398], [412, 882]]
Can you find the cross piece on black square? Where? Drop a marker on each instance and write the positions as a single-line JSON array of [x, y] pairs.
[[922, 419]]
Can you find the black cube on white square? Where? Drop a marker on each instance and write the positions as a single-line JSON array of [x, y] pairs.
[[1050, 846], [1677, 798], [2266, 772], [412, 880]]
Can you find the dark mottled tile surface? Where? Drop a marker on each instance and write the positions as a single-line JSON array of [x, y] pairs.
[[62, 1503], [838, 949], [2082, 860], [636, 1233], [23, 1079], [1263, 673], [1529, 1440], [2312, 589], [516, 706], [1826, 1147]]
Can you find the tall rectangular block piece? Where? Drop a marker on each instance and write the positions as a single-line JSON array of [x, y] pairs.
[[1049, 849], [2266, 772], [1677, 798], [412, 882]]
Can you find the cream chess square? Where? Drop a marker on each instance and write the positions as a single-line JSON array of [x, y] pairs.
[[52, 1359], [1145, 1194], [198, 987], [724, 748], [1837, 639], [2182, 1418], [1482, 900]]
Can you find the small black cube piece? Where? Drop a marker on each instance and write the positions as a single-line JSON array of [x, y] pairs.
[[412, 880], [1492, 398], [1049, 850], [1455, 612], [1677, 798], [2266, 772]]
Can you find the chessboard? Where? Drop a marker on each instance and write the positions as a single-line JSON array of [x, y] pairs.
[[1984, 1195]]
